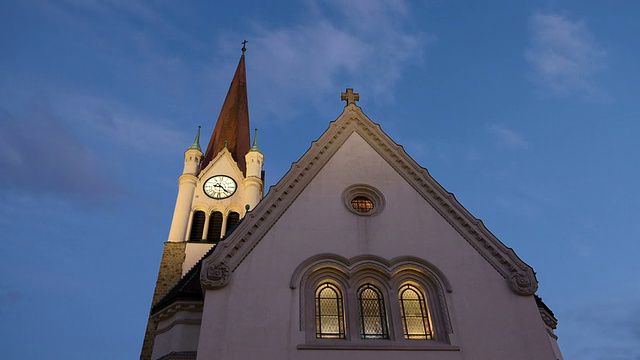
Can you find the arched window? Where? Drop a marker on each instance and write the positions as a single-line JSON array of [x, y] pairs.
[[215, 226], [329, 312], [197, 226], [232, 220], [415, 314], [372, 315], [367, 302]]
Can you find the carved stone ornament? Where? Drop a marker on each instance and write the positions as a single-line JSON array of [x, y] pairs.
[[522, 285], [215, 277]]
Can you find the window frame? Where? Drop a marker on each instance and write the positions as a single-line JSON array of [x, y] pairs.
[[382, 312], [425, 313], [388, 277], [342, 326]]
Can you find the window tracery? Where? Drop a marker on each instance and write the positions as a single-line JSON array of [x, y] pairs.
[[329, 312], [371, 313], [414, 313], [369, 302]]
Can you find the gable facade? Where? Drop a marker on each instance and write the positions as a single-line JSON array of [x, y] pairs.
[[261, 284], [357, 252]]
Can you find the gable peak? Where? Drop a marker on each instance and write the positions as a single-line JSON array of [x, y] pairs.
[[519, 276]]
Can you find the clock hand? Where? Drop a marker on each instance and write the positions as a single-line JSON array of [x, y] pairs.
[[222, 187]]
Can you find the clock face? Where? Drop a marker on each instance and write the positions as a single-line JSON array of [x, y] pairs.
[[220, 187]]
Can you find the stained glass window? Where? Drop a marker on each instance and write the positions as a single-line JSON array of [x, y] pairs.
[[362, 204], [415, 314], [372, 316], [329, 312]]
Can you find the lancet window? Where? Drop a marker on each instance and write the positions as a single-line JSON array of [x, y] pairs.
[[329, 312], [371, 303], [414, 313], [371, 313]]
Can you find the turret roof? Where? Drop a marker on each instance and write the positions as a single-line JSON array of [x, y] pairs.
[[196, 142]]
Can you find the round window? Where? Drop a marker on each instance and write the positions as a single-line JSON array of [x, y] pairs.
[[362, 199], [362, 204]]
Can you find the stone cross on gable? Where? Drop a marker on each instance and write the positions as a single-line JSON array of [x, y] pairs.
[[350, 96]]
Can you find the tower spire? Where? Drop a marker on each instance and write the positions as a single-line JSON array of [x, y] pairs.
[[232, 126]]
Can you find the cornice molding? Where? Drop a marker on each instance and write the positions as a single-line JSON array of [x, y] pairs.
[[548, 318], [520, 276], [178, 306]]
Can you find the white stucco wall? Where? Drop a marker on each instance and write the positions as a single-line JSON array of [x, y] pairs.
[[178, 333], [257, 314]]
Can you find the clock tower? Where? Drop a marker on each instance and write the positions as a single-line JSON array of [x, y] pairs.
[[215, 191]]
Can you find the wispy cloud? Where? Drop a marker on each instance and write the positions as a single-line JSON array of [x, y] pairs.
[[334, 44], [119, 125], [39, 155], [563, 55], [507, 138]]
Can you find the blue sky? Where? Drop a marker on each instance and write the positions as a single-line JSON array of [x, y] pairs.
[[527, 111]]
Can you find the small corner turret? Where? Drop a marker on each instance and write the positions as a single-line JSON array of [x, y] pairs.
[[186, 188], [193, 156], [253, 181]]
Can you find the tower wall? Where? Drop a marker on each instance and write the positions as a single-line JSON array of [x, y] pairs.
[[169, 274]]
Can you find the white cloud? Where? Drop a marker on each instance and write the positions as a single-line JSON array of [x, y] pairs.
[[40, 155], [332, 45], [564, 56], [507, 138], [120, 125]]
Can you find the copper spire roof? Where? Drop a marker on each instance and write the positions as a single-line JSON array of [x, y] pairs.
[[232, 128]]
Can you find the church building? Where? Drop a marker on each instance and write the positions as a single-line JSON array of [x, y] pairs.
[[356, 253]]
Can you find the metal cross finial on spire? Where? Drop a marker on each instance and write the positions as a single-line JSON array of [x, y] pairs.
[[244, 46], [350, 97]]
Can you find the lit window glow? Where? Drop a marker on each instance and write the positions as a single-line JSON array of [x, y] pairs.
[[373, 319], [415, 315], [362, 204], [329, 312]]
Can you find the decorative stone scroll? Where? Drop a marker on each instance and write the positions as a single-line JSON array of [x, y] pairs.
[[215, 276], [521, 284]]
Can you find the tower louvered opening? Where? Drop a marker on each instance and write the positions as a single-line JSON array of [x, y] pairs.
[[232, 220], [197, 226], [215, 226]]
